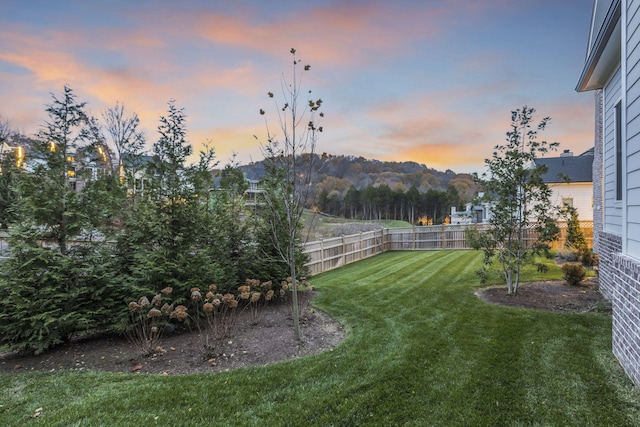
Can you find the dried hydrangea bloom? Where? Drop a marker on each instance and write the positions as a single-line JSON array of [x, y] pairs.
[[157, 300], [213, 287], [255, 296], [179, 313], [216, 302], [195, 289], [167, 291], [134, 306], [154, 329], [244, 289], [269, 295], [266, 285], [208, 307], [154, 312], [228, 297], [196, 295], [232, 303], [144, 301], [210, 295], [166, 308], [282, 292]]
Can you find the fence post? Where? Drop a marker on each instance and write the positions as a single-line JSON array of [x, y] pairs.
[[322, 254], [414, 237], [344, 252], [361, 246], [443, 239]]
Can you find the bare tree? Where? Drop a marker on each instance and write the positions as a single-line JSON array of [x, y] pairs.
[[290, 162], [5, 129], [123, 129]]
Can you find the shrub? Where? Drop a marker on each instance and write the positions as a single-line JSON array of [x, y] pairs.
[[589, 259], [573, 273], [148, 320], [215, 316], [48, 297]]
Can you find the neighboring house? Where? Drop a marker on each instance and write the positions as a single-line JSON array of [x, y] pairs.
[[571, 181], [612, 70], [18, 152], [473, 214]]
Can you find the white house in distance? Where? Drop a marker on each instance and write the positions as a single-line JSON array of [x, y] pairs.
[[571, 181], [612, 70]]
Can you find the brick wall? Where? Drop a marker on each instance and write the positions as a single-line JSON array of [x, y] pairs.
[[609, 246], [626, 315]]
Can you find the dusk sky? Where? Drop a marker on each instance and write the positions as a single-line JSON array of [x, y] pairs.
[[428, 81]]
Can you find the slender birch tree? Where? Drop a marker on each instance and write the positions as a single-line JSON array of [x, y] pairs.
[[290, 162]]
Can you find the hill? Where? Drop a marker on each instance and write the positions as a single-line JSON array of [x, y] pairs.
[[355, 187]]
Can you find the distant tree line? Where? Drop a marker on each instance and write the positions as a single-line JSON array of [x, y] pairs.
[[358, 188]]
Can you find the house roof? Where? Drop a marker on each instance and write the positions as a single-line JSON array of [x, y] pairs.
[[603, 49], [575, 168]]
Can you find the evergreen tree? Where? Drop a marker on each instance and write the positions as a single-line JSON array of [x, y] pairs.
[[50, 288], [167, 235]]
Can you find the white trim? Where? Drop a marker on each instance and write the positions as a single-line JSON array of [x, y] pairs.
[[623, 83]]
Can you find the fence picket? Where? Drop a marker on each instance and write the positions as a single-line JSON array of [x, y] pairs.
[[332, 253]]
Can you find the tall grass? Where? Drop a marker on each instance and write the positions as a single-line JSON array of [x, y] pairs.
[[421, 350]]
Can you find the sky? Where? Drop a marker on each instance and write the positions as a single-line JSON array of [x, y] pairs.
[[430, 81]]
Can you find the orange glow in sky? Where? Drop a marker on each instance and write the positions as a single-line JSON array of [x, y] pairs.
[[427, 81]]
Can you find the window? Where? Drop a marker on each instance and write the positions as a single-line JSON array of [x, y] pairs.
[[619, 151], [567, 202]]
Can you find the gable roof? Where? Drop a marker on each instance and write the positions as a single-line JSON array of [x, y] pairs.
[[576, 168]]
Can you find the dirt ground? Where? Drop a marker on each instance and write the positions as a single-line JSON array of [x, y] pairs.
[[554, 296], [271, 339], [268, 341]]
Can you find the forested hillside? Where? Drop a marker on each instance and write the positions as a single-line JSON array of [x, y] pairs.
[[359, 188]]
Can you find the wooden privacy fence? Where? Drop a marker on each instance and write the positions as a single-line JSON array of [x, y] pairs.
[[328, 254]]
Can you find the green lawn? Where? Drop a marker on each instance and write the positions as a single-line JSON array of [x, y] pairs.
[[421, 350]]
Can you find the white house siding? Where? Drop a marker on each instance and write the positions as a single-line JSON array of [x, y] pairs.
[[580, 192], [618, 245], [633, 200], [631, 150], [612, 209], [619, 266]]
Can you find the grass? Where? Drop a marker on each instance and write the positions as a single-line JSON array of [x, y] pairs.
[[421, 349]]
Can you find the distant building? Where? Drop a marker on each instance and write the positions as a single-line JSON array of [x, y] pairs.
[[16, 151], [473, 214], [570, 179]]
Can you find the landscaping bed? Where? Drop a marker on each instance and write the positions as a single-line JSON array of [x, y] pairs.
[[269, 340]]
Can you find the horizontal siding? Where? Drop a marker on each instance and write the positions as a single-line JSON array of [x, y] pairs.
[[612, 210], [582, 195], [633, 240], [632, 164]]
